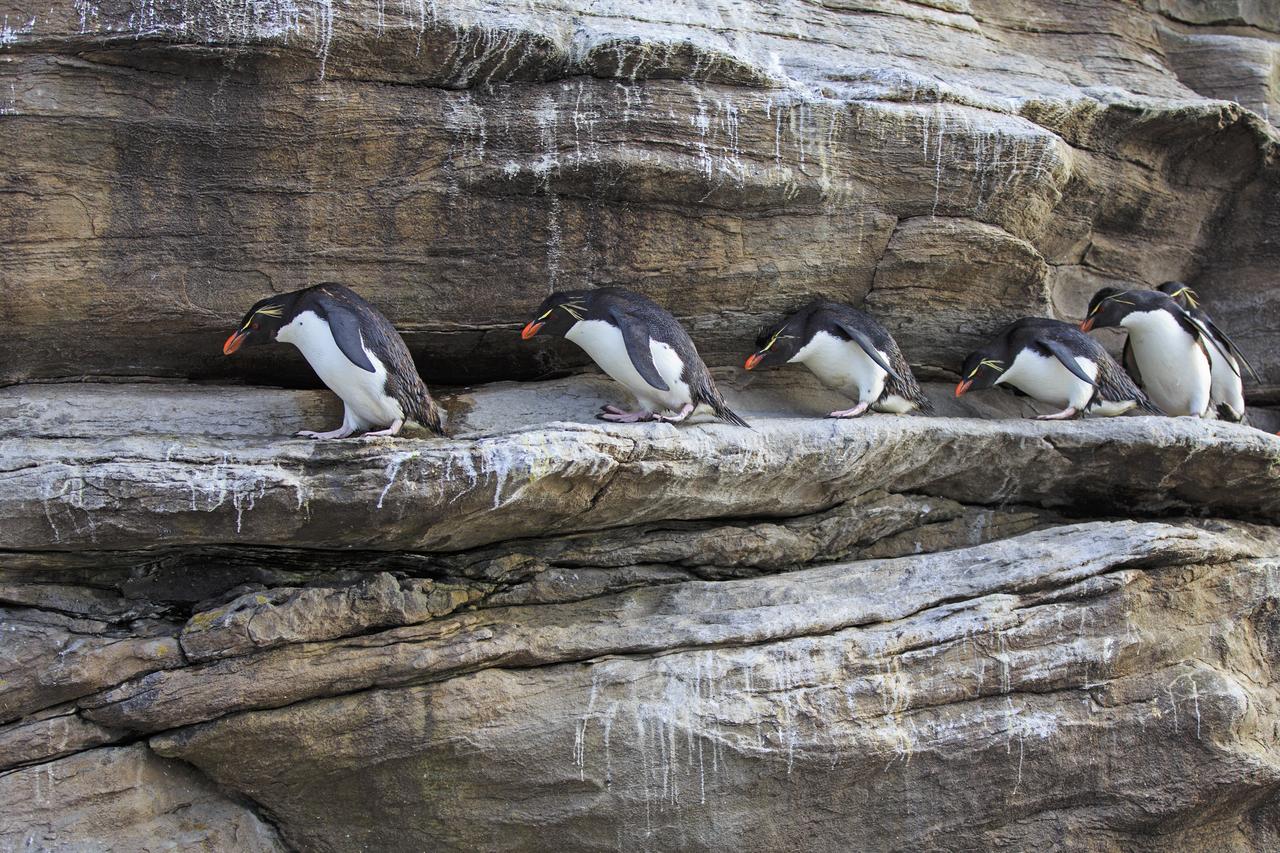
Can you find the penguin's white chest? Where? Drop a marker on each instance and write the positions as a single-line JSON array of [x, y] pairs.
[[364, 393], [1047, 380], [603, 342], [1174, 370], [842, 365]]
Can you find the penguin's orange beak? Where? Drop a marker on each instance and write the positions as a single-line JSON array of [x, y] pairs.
[[754, 359], [530, 330], [233, 343], [1087, 324], [963, 387]]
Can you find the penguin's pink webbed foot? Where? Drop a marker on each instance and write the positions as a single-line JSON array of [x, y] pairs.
[[340, 432], [620, 417], [850, 413], [1065, 415], [394, 429], [678, 416]]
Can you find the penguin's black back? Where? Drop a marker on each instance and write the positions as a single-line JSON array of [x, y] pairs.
[[664, 328], [403, 383], [823, 317]]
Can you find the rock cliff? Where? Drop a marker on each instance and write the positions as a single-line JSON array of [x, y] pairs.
[[960, 633]]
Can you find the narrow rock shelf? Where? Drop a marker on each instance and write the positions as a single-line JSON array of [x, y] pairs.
[[506, 475]]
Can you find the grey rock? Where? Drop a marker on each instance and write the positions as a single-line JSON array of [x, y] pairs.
[[448, 495], [868, 689], [818, 600]]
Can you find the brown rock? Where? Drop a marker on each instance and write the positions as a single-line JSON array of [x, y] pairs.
[[51, 658], [281, 616], [124, 799], [949, 284], [931, 633]]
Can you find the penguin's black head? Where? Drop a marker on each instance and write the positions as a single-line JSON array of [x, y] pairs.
[[1109, 306], [981, 370], [778, 343], [261, 323], [1181, 294], [557, 313]]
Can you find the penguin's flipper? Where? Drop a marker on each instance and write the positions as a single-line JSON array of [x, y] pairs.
[[344, 325], [1202, 336], [1068, 360], [636, 338], [1209, 339], [1221, 337], [860, 338]]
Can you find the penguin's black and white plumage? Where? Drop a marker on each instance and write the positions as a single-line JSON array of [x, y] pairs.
[[1055, 363], [354, 350], [1170, 349], [1226, 388], [641, 346], [849, 352]]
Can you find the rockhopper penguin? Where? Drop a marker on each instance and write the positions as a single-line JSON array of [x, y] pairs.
[[849, 352], [354, 350], [1170, 349], [638, 344], [1226, 388], [1055, 363]]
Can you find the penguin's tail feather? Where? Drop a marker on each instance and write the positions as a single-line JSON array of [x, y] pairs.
[[705, 391], [1145, 404], [423, 409], [924, 405], [727, 414]]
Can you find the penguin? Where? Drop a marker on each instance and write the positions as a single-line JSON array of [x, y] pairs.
[[1055, 363], [641, 346], [354, 350], [1226, 389], [849, 352], [1170, 348]]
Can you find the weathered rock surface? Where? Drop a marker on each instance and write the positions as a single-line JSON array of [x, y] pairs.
[[434, 495], [983, 156], [876, 632], [1081, 687], [124, 799], [926, 633]]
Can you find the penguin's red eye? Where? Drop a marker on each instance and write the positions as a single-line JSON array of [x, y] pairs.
[[255, 326]]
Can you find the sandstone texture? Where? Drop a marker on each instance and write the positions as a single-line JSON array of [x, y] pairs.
[[556, 633], [966, 632], [455, 161]]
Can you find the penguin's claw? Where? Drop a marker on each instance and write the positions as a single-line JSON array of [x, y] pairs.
[[340, 432], [612, 409], [621, 417], [1066, 414], [394, 429], [677, 417], [850, 413]]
